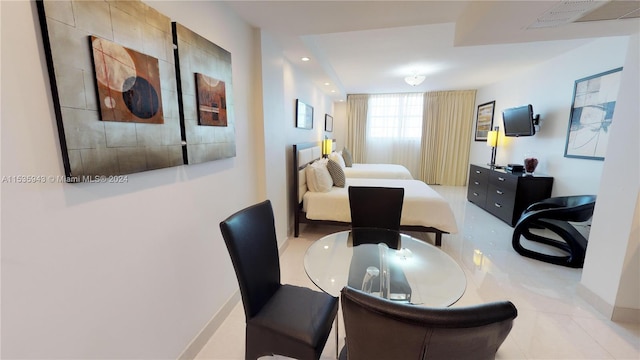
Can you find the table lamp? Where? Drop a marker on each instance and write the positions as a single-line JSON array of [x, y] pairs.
[[327, 146], [492, 141]]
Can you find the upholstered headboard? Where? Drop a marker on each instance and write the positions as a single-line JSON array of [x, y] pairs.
[[303, 155]]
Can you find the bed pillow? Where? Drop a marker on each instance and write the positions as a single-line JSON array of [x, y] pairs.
[[318, 176], [311, 178], [336, 172], [348, 159], [337, 157]]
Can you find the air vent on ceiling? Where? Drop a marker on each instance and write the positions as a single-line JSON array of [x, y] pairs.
[[614, 10], [565, 12]]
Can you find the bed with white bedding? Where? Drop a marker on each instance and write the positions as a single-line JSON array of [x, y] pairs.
[[371, 171], [377, 171], [423, 208]]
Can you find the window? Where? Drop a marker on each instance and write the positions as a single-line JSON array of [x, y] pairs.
[[394, 128], [395, 116]]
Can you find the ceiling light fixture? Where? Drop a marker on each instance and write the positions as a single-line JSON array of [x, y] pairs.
[[414, 80], [305, 59]]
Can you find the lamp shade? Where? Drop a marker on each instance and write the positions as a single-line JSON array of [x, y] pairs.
[[492, 138], [327, 146], [414, 80]]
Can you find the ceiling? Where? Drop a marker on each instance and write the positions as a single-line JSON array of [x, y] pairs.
[[371, 46]]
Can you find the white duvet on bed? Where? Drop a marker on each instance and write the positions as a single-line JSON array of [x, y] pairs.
[[377, 171], [422, 206]]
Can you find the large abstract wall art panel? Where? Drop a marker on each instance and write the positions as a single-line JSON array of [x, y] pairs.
[[113, 81], [206, 93], [128, 83]]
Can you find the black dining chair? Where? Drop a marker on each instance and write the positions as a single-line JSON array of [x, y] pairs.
[[556, 215], [378, 208], [380, 329], [373, 210], [281, 319]]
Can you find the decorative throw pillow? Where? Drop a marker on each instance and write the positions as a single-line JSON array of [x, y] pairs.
[[337, 174], [337, 157], [323, 180], [348, 159], [309, 173]]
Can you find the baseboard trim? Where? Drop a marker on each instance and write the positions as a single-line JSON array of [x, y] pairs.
[[614, 313], [198, 343], [626, 315], [595, 300]]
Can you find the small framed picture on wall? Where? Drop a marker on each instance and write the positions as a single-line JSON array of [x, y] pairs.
[[304, 115], [328, 122]]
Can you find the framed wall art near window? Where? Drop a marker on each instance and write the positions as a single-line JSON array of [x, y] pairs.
[[328, 122], [304, 115], [484, 120], [594, 99]]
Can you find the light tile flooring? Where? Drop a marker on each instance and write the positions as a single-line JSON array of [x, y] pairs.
[[553, 321]]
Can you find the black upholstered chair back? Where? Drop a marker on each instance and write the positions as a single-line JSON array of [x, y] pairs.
[[250, 236], [376, 207], [577, 208], [380, 329]]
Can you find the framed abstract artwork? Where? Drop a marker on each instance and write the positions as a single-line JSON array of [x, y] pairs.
[[484, 120], [304, 115], [328, 122], [205, 96], [594, 99], [113, 95]]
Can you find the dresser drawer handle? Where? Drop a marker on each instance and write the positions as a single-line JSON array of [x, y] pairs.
[[497, 205], [477, 183], [478, 172], [499, 192], [475, 194], [500, 178]]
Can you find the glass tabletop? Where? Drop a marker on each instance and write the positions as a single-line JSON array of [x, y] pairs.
[[385, 263]]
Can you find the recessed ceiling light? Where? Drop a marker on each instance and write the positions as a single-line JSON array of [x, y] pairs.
[[327, 84], [333, 91], [305, 59]]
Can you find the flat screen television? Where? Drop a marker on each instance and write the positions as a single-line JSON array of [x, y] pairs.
[[519, 121]]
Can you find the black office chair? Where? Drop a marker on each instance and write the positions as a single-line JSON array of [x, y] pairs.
[[280, 319], [380, 329], [375, 207], [554, 214]]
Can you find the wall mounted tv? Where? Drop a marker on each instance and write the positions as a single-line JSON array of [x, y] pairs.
[[520, 121]]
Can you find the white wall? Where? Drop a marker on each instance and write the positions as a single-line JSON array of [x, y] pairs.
[[297, 85], [612, 264], [611, 270], [131, 270], [549, 88], [275, 143], [340, 124]]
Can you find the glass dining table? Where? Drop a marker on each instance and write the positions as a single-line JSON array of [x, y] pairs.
[[385, 263]]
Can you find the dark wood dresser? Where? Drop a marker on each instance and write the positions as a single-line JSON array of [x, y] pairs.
[[505, 194]]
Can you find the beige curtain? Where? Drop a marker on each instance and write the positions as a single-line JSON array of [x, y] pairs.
[[446, 136], [357, 126]]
